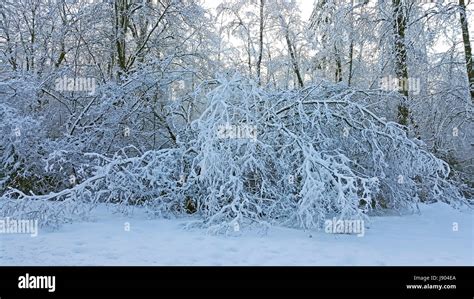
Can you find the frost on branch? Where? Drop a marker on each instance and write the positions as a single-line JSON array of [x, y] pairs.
[[315, 154], [150, 179], [294, 158]]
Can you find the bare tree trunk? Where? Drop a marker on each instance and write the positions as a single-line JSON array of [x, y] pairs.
[[121, 26], [62, 51], [249, 52], [351, 46], [401, 69], [351, 62], [291, 50], [467, 48], [294, 61], [260, 54], [338, 76]]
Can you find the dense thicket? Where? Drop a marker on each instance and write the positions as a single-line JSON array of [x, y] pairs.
[[241, 114]]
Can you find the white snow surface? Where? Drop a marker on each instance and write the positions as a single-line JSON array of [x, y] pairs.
[[427, 238]]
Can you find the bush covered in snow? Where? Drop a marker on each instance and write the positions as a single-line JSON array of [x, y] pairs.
[[254, 155]]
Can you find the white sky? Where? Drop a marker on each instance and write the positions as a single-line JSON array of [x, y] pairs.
[[306, 6]]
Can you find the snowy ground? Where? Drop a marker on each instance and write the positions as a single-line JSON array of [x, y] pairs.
[[426, 239]]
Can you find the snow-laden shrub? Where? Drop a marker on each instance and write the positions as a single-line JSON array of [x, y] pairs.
[[151, 179], [22, 146], [308, 156], [293, 158]]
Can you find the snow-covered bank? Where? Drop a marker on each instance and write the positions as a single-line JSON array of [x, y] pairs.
[[425, 239]]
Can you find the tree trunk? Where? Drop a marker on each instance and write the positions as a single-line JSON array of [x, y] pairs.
[[338, 75], [291, 50], [351, 62], [121, 26], [467, 48], [401, 69], [351, 46], [260, 54]]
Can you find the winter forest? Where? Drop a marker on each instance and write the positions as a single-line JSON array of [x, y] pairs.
[[237, 116]]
